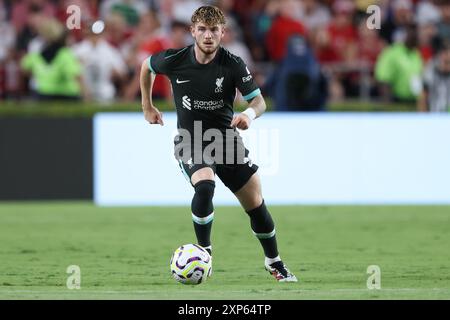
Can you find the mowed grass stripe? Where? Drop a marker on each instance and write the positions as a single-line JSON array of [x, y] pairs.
[[125, 252]]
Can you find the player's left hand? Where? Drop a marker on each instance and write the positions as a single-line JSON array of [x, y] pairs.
[[241, 121]]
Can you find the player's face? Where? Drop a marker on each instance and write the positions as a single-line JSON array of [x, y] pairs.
[[207, 37]]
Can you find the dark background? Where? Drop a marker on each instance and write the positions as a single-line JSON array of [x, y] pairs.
[[46, 158]]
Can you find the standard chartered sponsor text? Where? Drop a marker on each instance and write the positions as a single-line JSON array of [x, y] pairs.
[[208, 105]]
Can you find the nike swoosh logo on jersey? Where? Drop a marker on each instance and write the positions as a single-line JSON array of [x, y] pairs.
[[182, 81]]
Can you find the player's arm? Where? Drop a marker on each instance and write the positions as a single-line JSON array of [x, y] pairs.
[[250, 92], [147, 78], [256, 108]]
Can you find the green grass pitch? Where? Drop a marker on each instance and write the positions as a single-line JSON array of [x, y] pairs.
[[124, 253]]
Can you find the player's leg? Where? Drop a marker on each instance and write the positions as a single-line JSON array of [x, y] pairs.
[[261, 222], [251, 199], [202, 206]]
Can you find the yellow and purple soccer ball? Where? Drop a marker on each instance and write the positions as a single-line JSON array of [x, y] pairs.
[[190, 264]]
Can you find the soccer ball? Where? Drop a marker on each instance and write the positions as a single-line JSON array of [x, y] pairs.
[[190, 264]]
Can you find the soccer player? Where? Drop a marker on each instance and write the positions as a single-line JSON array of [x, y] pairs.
[[204, 78]]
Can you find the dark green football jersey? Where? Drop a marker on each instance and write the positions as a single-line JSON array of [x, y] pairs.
[[204, 92]]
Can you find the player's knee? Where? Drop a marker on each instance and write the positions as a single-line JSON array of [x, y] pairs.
[[204, 189], [202, 174], [202, 201], [254, 202], [261, 220]]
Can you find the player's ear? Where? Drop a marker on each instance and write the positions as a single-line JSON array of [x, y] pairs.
[[193, 31]]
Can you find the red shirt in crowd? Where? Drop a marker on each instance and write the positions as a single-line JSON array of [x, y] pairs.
[[370, 49], [161, 87], [278, 35], [340, 38]]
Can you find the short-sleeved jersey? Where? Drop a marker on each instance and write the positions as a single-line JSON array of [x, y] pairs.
[[204, 92]]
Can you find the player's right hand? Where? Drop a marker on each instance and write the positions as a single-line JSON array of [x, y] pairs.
[[153, 116]]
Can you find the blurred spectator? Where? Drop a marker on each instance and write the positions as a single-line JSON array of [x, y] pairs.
[[427, 13], [117, 33], [227, 8], [435, 96], [148, 31], [182, 9], [22, 9], [402, 15], [177, 10], [26, 14], [56, 69], [260, 18], [180, 35], [6, 51], [298, 84], [102, 65], [155, 41], [232, 43], [398, 69], [37, 41], [369, 45], [443, 27], [8, 34], [336, 48], [258, 31], [130, 10], [283, 26], [426, 35], [314, 15], [337, 43]]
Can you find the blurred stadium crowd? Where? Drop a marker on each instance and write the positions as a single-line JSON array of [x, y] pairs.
[[303, 53]]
